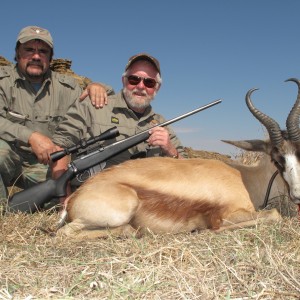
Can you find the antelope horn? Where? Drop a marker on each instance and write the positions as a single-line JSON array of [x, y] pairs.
[[270, 124], [292, 121]]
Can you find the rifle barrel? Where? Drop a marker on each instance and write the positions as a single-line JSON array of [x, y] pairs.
[[190, 113], [169, 121]]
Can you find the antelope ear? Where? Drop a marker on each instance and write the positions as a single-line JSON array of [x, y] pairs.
[[251, 145]]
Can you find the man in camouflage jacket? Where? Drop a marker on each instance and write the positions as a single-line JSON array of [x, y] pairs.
[[33, 102]]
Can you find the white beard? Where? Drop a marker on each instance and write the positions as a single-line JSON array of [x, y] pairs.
[[137, 103]]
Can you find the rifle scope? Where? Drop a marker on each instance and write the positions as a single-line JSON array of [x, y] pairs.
[[106, 135]]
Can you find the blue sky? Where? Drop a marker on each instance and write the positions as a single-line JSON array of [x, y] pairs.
[[208, 50]]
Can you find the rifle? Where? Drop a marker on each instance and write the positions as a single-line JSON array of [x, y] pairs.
[[32, 199]]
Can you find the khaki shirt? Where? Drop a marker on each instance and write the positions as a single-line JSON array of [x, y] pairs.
[[84, 121], [23, 110]]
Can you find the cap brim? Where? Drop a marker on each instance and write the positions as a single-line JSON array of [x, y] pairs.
[[27, 39]]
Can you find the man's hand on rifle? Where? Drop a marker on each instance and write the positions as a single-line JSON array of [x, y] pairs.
[[159, 136], [42, 147]]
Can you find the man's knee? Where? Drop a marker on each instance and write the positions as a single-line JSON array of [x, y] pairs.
[[35, 174]]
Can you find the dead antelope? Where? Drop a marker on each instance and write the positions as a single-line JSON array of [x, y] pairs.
[[282, 149], [163, 195], [167, 195]]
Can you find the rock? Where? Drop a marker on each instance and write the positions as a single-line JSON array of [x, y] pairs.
[[4, 61], [63, 66]]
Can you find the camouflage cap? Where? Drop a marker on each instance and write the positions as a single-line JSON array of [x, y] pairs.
[[34, 32], [143, 56]]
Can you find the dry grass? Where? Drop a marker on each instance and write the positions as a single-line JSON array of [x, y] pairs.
[[253, 263]]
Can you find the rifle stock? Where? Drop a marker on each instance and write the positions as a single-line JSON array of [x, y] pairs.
[[32, 199]]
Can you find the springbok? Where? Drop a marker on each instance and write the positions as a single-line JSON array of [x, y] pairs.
[[163, 195], [168, 195], [282, 153]]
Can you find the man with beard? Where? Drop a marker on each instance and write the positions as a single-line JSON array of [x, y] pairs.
[[130, 111], [33, 101]]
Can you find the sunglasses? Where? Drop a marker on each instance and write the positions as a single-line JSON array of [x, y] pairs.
[[148, 82]]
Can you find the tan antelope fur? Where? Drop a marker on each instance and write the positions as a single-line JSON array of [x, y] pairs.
[[256, 178], [163, 195]]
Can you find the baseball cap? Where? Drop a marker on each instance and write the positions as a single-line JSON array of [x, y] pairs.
[[35, 32], [143, 56]]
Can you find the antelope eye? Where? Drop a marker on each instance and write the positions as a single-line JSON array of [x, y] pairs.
[[279, 163]]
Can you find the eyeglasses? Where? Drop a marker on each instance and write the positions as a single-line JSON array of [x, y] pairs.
[[29, 51], [135, 80]]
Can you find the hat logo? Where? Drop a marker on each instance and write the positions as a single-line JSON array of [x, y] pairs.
[[37, 30]]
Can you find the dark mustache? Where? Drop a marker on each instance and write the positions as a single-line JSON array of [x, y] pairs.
[[35, 63]]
